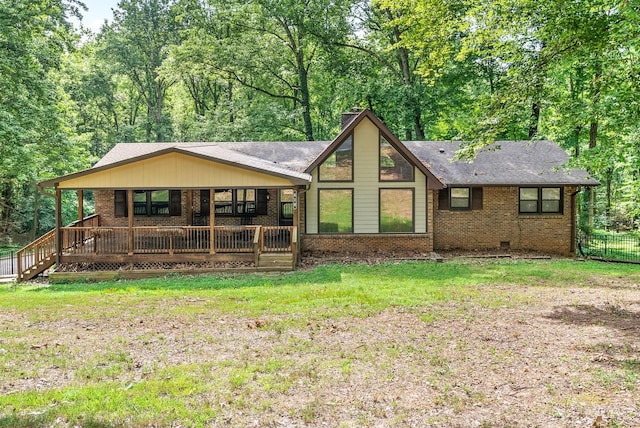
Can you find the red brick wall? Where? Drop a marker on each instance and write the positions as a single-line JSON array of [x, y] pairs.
[[360, 244], [347, 244], [500, 222], [104, 202]]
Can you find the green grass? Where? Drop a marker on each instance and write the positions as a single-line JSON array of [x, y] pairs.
[[110, 386], [612, 245]]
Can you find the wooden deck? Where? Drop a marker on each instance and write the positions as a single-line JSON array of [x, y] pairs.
[[88, 242]]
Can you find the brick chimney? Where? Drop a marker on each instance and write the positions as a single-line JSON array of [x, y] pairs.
[[347, 117]]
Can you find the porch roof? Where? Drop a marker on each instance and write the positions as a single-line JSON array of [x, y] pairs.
[[179, 165]]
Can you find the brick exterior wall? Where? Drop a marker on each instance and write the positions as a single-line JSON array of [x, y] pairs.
[[316, 245], [105, 200], [384, 244], [496, 225], [499, 225]]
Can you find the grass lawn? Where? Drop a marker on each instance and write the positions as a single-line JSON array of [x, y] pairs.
[[462, 343]]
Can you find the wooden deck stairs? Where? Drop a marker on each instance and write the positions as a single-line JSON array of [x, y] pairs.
[[37, 257], [276, 261]]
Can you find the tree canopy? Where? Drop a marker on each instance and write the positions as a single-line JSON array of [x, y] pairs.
[[214, 70]]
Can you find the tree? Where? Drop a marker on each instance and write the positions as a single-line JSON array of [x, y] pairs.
[[138, 41], [34, 141]]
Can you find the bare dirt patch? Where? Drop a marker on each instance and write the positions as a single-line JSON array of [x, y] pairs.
[[557, 357]]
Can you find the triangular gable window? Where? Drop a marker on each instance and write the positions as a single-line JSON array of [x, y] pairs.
[[393, 166], [338, 166]]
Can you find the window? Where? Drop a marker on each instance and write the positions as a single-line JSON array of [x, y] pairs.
[[335, 210], [241, 202], [339, 165], [393, 166], [460, 198], [543, 200], [396, 210], [149, 203], [246, 201], [551, 200]]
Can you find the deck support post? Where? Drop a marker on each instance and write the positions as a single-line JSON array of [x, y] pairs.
[[212, 221], [189, 207], [80, 205], [130, 218], [58, 225]]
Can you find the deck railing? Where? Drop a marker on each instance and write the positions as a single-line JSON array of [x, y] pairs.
[[176, 240], [276, 239], [40, 251]]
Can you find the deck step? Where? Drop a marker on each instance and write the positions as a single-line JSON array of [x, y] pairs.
[[276, 260], [36, 270]]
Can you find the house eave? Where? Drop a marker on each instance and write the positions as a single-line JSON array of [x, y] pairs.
[[296, 178]]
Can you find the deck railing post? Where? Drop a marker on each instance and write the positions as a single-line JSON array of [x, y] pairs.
[[212, 221], [130, 223], [58, 240]]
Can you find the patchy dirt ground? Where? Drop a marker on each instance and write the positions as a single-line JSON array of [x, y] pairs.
[[540, 357]]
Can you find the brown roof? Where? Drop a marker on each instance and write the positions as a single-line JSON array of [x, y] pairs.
[[125, 153], [502, 163]]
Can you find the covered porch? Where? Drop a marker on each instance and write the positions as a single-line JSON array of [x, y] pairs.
[[175, 208]]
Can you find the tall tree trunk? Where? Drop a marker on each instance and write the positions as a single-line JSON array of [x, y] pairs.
[[408, 80], [593, 130], [609, 175], [535, 119], [305, 99], [36, 209], [593, 138], [230, 99]]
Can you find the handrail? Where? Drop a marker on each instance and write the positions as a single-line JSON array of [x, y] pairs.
[[93, 220], [36, 252], [277, 238]]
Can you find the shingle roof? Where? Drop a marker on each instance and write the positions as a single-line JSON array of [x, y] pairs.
[[502, 163], [292, 155], [129, 152]]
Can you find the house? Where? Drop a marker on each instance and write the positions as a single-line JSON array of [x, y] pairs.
[[263, 204]]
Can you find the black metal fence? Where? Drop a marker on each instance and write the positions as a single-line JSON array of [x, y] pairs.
[[8, 263], [609, 246]]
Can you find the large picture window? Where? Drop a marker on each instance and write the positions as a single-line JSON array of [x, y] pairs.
[[338, 166], [396, 210], [540, 200], [149, 203], [393, 166], [335, 211]]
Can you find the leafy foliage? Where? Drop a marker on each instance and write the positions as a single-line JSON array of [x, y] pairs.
[[214, 70]]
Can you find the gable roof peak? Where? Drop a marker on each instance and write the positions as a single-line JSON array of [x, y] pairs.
[[434, 182]]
